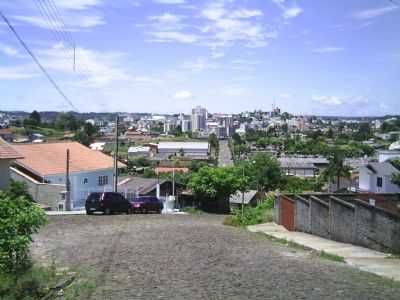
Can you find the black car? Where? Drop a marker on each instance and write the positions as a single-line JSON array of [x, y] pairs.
[[107, 202], [146, 204]]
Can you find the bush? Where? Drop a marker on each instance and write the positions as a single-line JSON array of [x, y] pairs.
[[262, 213], [19, 219]]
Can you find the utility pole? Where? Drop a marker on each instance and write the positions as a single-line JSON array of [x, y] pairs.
[[243, 195], [67, 185], [115, 181]]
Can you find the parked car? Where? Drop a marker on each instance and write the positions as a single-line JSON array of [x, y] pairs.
[[145, 204], [107, 202]]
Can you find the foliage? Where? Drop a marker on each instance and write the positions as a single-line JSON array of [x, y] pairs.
[[149, 173], [19, 219], [396, 177], [18, 189], [32, 283], [34, 119], [262, 213], [263, 171], [213, 140], [330, 256], [214, 183], [293, 184], [336, 168], [67, 121], [364, 132], [82, 137]]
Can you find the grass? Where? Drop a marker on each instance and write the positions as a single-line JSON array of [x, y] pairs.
[[393, 256], [38, 282], [332, 257]]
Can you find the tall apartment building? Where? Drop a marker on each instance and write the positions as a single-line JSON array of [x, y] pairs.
[[199, 118]]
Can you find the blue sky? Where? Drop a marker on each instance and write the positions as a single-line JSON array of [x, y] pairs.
[[311, 57]]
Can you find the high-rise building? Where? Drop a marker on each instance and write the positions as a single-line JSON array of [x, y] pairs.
[[199, 118]]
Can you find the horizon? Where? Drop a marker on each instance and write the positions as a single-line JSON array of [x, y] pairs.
[[168, 56]]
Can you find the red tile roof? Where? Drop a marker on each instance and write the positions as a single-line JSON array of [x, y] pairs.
[[46, 159], [8, 152], [160, 170]]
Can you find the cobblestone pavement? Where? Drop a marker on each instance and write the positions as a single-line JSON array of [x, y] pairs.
[[195, 257], [224, 155]]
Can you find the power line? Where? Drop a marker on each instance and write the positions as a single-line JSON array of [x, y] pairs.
[[37, 61]]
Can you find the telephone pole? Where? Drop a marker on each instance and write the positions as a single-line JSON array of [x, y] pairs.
[[67, 185], [115, 181]]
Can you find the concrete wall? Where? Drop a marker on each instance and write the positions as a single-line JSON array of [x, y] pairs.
[[342, 225], [319, 216], [4, 173], [375, 228], [50, 195], [277, 209], [349, 221], [302, 215]]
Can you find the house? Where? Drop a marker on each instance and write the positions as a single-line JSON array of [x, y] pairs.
[[163, 170], [376, 177], [302, 166], [251, 198], [386, 155], [89, 171], [98, 146], [131, 187], [139, 151], [196, 150], [7, 155]]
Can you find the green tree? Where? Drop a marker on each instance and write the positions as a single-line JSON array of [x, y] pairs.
[[82, 137], [336, 168], [19, 219], [89, 129], [364, 132], [396, 177], [216, 185], [213, 140], [67, 121], [263, 171]]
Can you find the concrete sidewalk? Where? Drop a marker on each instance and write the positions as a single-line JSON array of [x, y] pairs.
[[362, 258]]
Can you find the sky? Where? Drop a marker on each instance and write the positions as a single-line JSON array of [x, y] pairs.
[[321, 57]]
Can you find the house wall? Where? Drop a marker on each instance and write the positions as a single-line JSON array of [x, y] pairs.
[[389, 186], [50, 195], [4, 173], [364, 181], [79, 189]]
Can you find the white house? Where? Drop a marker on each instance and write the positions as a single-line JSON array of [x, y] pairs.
[[190, 149], [7, 155], [90, 171], [377, 178]]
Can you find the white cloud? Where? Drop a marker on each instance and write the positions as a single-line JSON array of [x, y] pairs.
[[184, 94], [292, 12], [173, 36], [73, 22], [8, 50], [328, 100], [328, 49], [167, 18], [374, 12], [170, 1], [246, 13], [17, 72], [77, 4]]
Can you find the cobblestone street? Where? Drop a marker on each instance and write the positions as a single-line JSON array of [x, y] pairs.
[[195, 257]]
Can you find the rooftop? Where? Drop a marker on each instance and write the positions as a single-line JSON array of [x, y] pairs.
[[46, 159], [183, 145], [8, 152]]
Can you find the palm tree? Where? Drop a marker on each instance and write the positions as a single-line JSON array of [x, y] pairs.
[[337, 168]]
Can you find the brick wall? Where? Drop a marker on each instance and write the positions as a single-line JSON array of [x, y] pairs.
[[342, 222]]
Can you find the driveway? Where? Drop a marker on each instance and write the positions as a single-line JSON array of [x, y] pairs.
[[195, 257]]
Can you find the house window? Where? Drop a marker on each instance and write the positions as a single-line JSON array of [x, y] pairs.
[[379, 181], [103, 180], [85, 181]]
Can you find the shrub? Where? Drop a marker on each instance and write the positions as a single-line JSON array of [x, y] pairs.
[[19, 219], [262, 213]]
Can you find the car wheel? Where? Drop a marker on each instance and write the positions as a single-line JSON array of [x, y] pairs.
[[129, 211], [107, 211], [145, 211], [88, 212], [159, 211]]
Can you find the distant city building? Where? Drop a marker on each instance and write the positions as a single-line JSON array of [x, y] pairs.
[[199, 118], [190, 149]]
